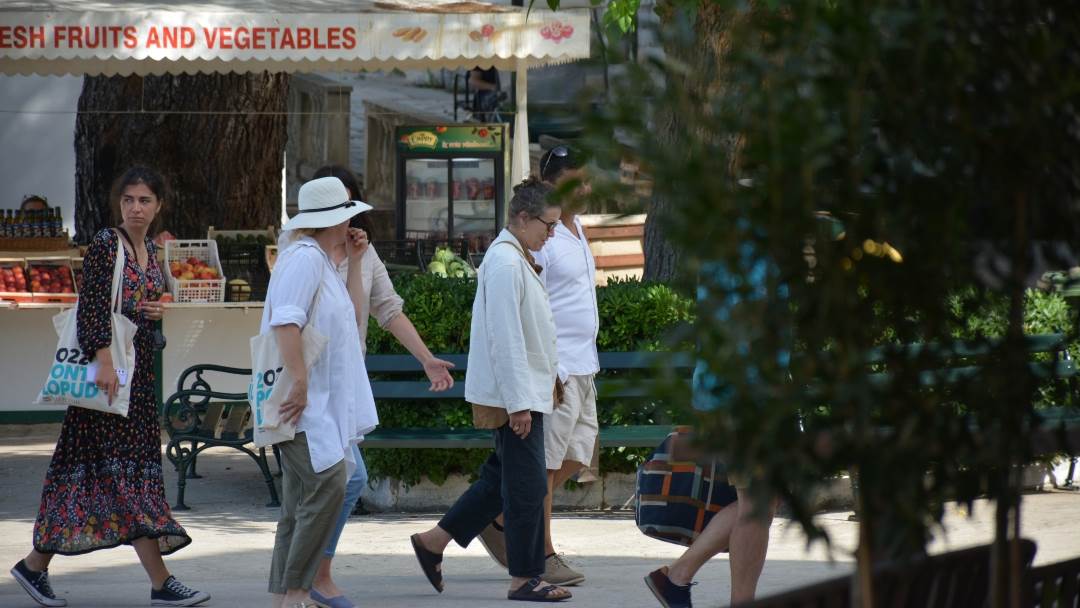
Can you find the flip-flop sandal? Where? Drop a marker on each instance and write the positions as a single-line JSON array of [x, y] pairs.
[[529, 593], [428, 561]]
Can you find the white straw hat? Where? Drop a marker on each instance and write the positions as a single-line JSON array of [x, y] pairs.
[[324, 202]]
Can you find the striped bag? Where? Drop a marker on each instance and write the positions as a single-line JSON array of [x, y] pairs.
[[677, 499]]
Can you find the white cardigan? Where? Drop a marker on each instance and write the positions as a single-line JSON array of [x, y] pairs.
[[513, 358]]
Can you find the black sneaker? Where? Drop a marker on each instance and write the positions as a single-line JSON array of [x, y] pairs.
[[668, 593], [175, 593], [36, 584]]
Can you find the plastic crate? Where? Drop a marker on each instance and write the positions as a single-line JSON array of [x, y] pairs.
[[243, 257], [52, 279], [8, 265], [194, 290]]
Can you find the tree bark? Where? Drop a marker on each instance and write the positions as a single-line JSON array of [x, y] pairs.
[[218, 139], [711, 28]]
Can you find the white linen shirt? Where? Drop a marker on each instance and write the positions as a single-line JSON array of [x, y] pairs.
[[512, 352], [340, 409], [569, 273], [380, 301]]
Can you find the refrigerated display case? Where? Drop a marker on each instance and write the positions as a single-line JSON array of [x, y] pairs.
[[450, 183]]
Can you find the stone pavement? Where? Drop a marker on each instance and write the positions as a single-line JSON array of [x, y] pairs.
[[233, 536]]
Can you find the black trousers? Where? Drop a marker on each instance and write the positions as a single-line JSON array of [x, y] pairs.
[[513, 481]]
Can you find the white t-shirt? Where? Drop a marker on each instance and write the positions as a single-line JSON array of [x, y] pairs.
[[569, 273]]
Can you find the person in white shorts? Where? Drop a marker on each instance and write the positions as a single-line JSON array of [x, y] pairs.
[[570, 431]]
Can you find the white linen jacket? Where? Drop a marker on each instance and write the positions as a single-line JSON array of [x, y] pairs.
[[513, 358]]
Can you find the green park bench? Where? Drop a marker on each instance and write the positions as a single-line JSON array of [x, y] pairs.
[[198, 417]]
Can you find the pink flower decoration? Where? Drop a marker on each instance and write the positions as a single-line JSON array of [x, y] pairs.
[[487, 30], [556, 31], [546, 32]]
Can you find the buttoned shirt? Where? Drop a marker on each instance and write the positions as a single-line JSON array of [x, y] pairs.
[[380, 301], [340, 408], [569, 273], [513, 357]]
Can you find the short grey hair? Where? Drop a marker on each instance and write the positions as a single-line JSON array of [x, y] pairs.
[[533, 197]]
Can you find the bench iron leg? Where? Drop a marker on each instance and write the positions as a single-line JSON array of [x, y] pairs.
[[192, 474], [181, 482], [264, 466]]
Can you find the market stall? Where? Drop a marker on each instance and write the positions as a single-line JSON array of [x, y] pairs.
[[109, 37]]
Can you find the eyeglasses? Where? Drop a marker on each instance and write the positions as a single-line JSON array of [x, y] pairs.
[[560, 151], [550, 225]]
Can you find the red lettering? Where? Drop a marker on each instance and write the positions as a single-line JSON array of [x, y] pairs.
[[287, 41], [211, 36], [58, 35], [329, 42], [226, 38], [350, 38], [75, 37], [169, 37], [131, 37], [37, 37], [153, 38], [303, 38], [258, 38], [7, 32], [243, 38]]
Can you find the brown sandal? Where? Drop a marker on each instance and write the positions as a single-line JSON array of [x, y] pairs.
[[428, 560], [529, 593]]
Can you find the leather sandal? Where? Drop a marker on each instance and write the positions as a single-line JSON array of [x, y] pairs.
[[529, 593], [428, 560]]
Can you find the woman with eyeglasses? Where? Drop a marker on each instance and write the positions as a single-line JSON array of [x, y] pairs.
[[104, 487], [571, 429], [511, 382]]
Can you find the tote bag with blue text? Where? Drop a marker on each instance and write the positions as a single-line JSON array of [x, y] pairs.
[[72, 372]]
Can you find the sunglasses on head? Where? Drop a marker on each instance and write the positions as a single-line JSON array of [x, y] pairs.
[[560, 151]]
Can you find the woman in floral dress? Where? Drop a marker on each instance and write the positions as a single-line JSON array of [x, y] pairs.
[[104, 486]]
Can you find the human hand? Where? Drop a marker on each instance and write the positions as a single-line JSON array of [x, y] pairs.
[[356, 243], [293, 407], [438, 371], [153, 311], [521, 423], [107, 382]]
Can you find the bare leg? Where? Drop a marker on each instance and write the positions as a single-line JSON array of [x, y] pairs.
[[324, 582], [556, 477], [150, 555], [278, 600], [37, 561], [716, 537], [749, 544]]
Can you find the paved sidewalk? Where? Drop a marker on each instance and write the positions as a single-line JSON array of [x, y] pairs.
[[233, 536]]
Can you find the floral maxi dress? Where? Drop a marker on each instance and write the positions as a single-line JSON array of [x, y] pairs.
[[104, 486]]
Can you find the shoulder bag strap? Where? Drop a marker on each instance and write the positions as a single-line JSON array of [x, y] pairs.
[[117, 291]]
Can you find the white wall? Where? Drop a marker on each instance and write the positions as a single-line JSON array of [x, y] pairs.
[[37, 136]]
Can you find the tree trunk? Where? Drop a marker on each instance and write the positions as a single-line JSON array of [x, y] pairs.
[[218, 139], [712, 24]]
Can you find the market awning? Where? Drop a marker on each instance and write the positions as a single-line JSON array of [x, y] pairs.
[[93, 37]]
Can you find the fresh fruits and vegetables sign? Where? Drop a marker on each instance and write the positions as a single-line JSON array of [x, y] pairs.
[[451, 138]]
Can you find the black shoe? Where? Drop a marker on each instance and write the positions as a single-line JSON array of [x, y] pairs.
[[36, 584], [668, 593], [175, 593]]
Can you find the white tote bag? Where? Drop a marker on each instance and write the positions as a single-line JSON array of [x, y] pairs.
[[270, 381], [72, 373]]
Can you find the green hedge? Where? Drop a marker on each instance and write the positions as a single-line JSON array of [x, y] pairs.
[[633, 316]]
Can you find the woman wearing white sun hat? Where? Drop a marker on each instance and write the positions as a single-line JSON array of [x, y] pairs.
[[330, 403]]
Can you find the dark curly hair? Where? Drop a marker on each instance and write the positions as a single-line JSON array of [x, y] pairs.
[[532, 196], [135, 175]]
